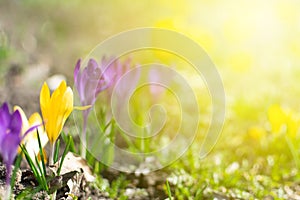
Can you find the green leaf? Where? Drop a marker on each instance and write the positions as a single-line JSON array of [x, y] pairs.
[[39, 177], [31, 164], [56, 152], [293, 150], [41, 153], [199, 193], [72, 145], [14, 174], [64, 154], [42, 175], [169, 190]]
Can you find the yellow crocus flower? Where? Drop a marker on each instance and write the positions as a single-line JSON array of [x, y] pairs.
[[277, 118], [283, 120], [31, 139], [56, 108], [256, 132]]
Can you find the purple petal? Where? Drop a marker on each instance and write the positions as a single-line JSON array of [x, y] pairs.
[[4, 116], [4, 107], [9, 147], [132, 78], [31, 129], [156, 77], [16, 123], [92, 66], [89, 85], [76, 71]]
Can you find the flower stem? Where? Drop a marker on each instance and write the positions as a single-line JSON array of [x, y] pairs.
[[8, 192], [8, 175], [293, 151], [83, 139], [52, 154], [53, 195], [51, 162]]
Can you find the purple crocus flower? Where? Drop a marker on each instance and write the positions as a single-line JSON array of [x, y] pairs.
[[114, 69], [89, 83], [10, 136], [123, 81], [159, 78], [94, 79]]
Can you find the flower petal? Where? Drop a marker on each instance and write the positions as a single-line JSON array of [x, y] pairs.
[[77, 72], [82, 107], [35, 119], [16, 123], [25, 124], [45, 100], [31, 129], [9, 147], [4, 117], [68, 101]]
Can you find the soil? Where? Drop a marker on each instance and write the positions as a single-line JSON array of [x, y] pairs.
[[151, 184], [140, 186]]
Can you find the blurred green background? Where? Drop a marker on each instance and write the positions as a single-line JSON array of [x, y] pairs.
[[255, 43]]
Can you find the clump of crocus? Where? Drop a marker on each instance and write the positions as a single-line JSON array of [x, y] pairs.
[[55, 108], [10, 138], [89, 83], [94, 79], [31, 140]]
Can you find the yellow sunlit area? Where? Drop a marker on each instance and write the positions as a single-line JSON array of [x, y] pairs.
[[150, 99]]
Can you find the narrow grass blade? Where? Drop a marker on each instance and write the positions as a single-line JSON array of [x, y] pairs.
[[199, 193], [42, 175], [41, 153], [31, 164], [294, 151], [64, 154], [107, 125], [56, 152], [169, 190], [72, 145], [14, 173]]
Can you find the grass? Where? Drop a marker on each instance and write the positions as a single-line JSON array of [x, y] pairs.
[[252, 160], [243, 165]]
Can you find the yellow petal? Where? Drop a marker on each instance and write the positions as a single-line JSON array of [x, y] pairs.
[[44, 101], [32, 144], [68, 102], [57, 109], [45, 106], [30, 141], [66, 107], [292, 126], [277, 118], [82, 107], [62, 87], [35, 119], [44, 154], [256, 132]]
